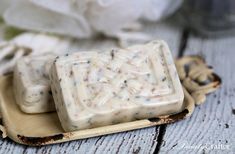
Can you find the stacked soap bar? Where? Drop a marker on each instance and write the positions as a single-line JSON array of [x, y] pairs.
[[92, 89], [31, 84]]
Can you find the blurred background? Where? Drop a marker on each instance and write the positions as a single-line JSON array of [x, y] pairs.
[[118, 19], [65, 26]]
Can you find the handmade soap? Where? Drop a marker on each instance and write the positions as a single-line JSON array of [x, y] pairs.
[[93, 89], [32, 85]]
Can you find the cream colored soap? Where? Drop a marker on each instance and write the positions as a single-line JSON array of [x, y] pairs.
[[31, 84], [93, 89]]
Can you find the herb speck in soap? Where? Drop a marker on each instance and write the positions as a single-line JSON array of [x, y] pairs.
[[50, 92], [164, 79], [112, 54], [147, 99], [71, 73]]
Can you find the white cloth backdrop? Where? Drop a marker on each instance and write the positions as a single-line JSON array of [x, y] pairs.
[[86, 18]]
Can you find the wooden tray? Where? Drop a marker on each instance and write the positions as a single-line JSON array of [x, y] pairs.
[[42, 129]]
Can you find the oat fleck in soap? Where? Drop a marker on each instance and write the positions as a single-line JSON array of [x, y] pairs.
[[93, 89]]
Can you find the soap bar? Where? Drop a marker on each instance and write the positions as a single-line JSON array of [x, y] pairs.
[[32, 85], [93, 89]]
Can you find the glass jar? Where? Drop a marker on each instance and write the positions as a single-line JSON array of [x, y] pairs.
[[209, 17]]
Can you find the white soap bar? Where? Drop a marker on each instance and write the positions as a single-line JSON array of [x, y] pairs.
[[31, 84], [93, 89]]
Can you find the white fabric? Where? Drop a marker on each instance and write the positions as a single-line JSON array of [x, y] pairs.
[[86, 18]]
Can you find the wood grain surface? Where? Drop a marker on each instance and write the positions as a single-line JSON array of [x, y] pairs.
[[211, 128]]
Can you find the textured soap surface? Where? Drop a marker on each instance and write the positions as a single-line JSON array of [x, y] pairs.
[[32, 85], [92, 89]]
